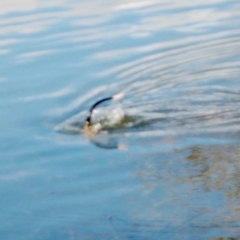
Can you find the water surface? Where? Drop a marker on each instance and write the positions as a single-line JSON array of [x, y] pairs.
[[174, 173]]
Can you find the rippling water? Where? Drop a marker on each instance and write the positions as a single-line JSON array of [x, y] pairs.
[[173, 171]]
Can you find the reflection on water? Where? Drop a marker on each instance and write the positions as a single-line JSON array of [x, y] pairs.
[[178, 64], [201, 174]]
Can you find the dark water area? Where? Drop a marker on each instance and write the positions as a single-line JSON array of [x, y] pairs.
[[169, 168]]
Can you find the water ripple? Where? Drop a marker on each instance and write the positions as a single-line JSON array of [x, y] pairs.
[[190, 86]]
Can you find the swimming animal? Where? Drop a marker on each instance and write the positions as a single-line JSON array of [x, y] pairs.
[[92, 129]]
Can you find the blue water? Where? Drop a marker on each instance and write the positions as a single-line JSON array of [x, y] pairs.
[[174, 173]]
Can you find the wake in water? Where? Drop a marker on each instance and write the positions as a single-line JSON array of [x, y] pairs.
[[188, 89]]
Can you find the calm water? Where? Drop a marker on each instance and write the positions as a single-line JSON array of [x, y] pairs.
[[174, 169]]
